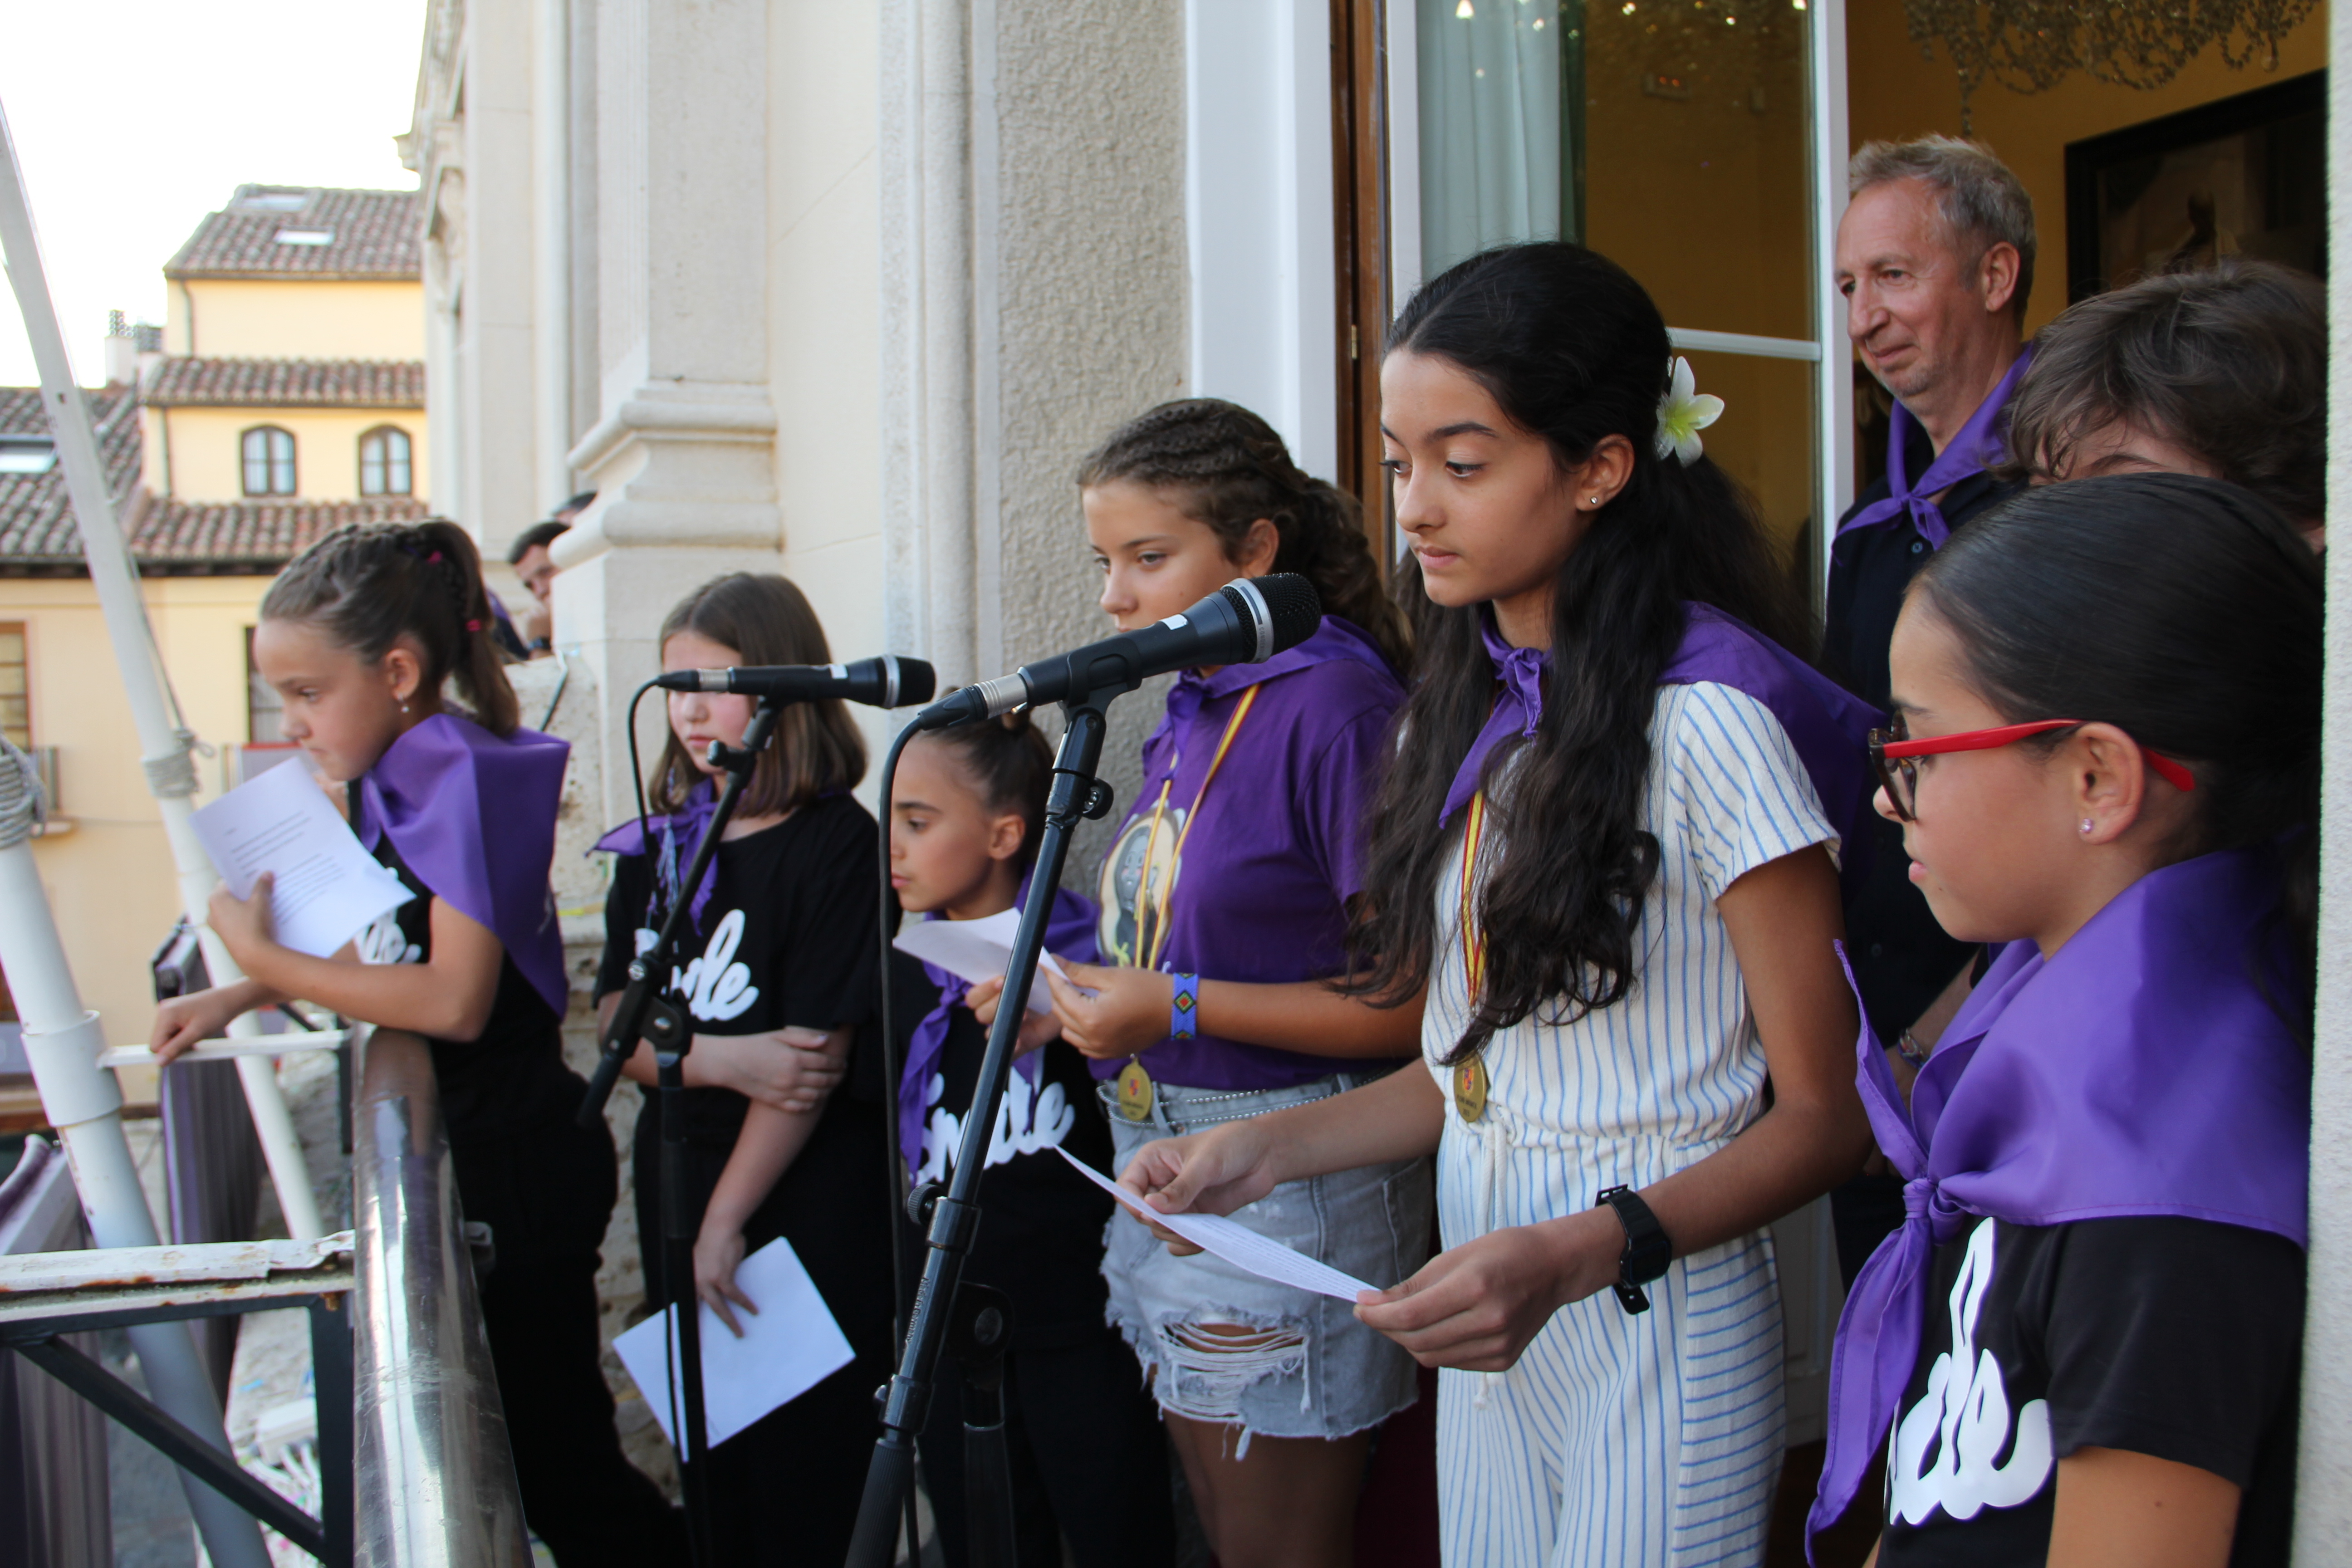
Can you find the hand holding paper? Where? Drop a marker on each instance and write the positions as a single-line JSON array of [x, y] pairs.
[[324, 888], [1236, 1243]]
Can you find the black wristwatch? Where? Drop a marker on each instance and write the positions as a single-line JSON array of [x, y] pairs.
[[1647, 1250]]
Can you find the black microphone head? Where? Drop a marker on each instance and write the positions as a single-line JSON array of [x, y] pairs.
[[917, 680], [1287, 604]]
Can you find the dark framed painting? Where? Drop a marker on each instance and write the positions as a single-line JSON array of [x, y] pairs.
[[2239, 176]]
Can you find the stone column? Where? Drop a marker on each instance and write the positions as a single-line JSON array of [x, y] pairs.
[[682, 453], [497, 493], [2322, 1533]]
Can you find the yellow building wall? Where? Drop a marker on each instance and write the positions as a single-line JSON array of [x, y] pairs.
[[1894, 93], [295, 318], [196, 453], [109, 874]]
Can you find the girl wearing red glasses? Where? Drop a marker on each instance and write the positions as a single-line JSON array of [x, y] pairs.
[[2082, 1345]]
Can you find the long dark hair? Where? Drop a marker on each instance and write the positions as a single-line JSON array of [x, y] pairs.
[[2185, 611], [1219, 464], [817, 750], [1573, 350], [371, 585]]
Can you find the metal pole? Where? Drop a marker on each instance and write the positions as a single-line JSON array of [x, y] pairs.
[[435, 1477], [62, 1040], [163, 745]]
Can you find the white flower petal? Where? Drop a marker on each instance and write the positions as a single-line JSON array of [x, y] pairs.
[[1705, 409], [1663, 447], [1688, 449]]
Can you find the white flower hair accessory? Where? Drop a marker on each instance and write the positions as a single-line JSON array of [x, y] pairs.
[[1683, 413]]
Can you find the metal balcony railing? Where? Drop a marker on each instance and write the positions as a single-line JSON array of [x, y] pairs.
[[436, 1480]]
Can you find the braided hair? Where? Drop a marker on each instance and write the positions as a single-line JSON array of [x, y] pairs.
[[369, 587], [1009, 765], [1222, 465]]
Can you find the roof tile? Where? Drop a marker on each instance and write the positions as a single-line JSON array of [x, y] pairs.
[[185, 381], [371, 234]]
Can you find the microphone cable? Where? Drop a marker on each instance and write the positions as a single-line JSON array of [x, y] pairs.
[[900, 1185]]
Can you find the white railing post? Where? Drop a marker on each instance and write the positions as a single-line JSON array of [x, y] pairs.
[[163, 745]]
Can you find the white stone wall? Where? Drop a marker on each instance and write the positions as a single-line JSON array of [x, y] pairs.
[[2324, 1492]]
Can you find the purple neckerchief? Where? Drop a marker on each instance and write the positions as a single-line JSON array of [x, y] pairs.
[[1828, 726], [433, 793], [680, 834], [1337, 637], [1069, 934], [2143, 1070], [1975, 448]]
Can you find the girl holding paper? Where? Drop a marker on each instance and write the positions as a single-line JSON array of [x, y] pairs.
[[1606, 848], [783, 1120], [1089, 1462], [360, 636], [1225, 911]]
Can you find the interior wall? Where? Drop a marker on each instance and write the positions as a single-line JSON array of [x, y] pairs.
[[1894, 93]]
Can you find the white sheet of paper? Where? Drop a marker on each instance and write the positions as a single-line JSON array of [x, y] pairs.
[[976, 950], [1237, 1244], [788, 1347], [328, 888]]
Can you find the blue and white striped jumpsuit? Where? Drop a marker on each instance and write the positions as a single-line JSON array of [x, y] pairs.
[[1621, 1441]]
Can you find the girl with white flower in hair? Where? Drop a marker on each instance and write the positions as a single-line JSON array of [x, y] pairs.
[[1607, 849]]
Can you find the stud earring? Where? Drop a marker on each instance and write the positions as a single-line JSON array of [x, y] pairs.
[[403, 707], [1596, 501], [2087, 825]]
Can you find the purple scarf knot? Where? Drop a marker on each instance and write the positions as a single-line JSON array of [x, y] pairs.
[[679, 834], [1977, 447], [1519, 708], [2143, 1070], [1069, 934]]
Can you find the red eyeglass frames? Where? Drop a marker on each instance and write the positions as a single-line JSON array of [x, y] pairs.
[[1892, 755]]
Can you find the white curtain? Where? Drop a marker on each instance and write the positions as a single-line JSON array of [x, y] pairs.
[[1491, 135]]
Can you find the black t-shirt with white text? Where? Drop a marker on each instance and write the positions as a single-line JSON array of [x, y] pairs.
[[1041, 1226], [788, 938], [511, 1076], [2175, 1338]]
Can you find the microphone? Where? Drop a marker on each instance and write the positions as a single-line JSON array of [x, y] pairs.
[[1247, 621], [885, 682]]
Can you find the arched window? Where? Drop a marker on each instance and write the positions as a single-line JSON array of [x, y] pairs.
[[383, 462], [268, 455]]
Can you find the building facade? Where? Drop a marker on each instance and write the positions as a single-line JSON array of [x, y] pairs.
[[284, 399], [847, 291]]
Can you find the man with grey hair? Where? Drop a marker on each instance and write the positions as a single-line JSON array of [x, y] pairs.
[[1935, 257]]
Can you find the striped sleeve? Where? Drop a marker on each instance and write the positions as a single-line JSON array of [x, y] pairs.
[[1732, 783]]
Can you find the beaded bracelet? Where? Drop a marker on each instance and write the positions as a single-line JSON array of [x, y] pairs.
[[1184, 1008]]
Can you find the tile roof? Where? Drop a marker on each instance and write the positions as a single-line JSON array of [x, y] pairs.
[[272, 231], [185, 381], [37, 536], [254, 536], [36, 518]]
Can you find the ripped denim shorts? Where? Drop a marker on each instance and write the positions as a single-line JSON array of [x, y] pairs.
[[1303, 1367]]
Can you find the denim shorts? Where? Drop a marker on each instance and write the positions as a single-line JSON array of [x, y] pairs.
[[1306, 1368]]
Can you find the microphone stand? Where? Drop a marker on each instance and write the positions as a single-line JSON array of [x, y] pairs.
[[644, 1014], [955, 1217]]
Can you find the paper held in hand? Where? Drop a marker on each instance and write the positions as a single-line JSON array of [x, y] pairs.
[[789, 1346], [328, 889], [975, 950], [1236, 1243]]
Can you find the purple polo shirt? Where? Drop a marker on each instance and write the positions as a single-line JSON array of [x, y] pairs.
[[1260, 893]]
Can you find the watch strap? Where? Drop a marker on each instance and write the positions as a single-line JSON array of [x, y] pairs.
[[1648, 1250]]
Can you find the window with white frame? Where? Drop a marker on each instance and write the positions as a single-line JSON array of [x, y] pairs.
[[268, 455], [384, 466]]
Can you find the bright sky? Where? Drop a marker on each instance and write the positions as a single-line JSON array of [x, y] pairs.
[[135, 118]]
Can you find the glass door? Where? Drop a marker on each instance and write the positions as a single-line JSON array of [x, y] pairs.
[[1679, 138]]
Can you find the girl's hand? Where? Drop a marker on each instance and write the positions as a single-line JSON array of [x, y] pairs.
[[1476, 1306], [791, 1068], [184, 1021], [1214, 1172], [1126, 1013], [1038, 1030], [243, 923], [717, 1253]]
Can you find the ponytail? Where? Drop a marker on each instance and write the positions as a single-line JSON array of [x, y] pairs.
[[368, 586], [1220, 465]]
